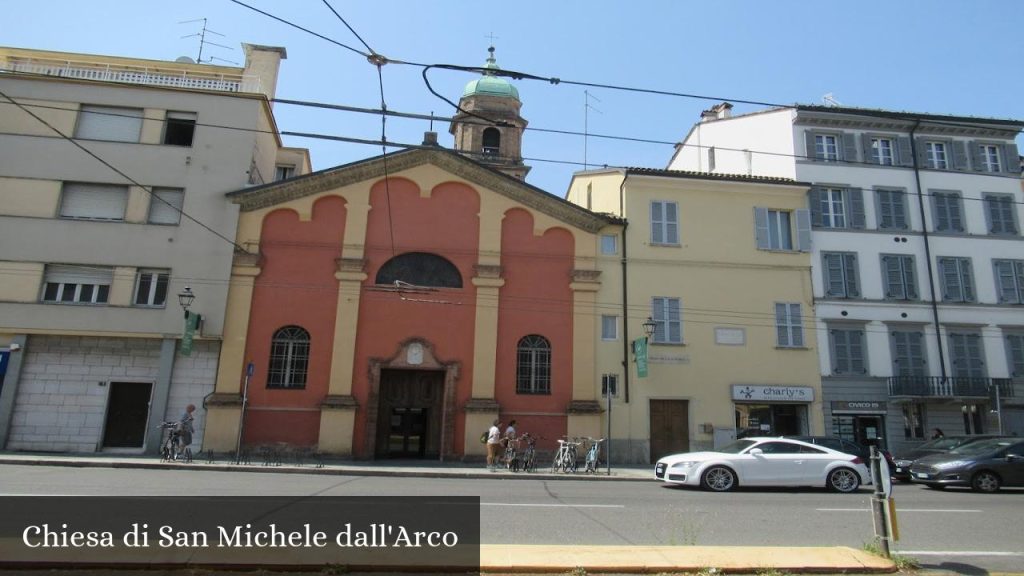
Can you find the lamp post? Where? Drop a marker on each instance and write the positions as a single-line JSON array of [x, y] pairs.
[[185, 299]]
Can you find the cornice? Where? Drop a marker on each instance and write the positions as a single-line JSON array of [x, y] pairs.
[[285, 191]]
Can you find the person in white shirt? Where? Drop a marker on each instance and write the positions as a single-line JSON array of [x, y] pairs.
[[493, 445]]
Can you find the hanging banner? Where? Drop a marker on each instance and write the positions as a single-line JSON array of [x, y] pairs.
[[640, 351], [191, 323]]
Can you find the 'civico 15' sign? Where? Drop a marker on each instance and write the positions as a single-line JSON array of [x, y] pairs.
[[754, 392]]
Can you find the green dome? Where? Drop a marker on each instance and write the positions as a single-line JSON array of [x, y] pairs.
[[489, 84]]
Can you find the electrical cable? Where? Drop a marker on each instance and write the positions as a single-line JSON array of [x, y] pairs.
[[306, 30]]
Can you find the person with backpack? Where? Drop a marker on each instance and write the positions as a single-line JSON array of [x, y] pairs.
[[493, 445]]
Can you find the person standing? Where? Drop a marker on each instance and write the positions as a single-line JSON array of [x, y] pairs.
[[493, 445], [185, 427]]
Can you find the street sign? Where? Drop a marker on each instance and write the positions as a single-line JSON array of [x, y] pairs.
[[640, 351], [191, 323], [250, 369]]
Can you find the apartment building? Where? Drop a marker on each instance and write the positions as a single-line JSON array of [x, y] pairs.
[[917, 257], [716, 267], [112, 180]]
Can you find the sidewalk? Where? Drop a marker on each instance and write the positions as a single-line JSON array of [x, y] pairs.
[[397, 468], [533, 559]]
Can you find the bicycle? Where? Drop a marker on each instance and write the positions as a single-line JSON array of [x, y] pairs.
[[565, 458], [529, 458], [171, 449], [593, 458], [512, 454]]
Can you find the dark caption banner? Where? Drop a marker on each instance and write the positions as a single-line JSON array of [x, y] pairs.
[[393, 533]]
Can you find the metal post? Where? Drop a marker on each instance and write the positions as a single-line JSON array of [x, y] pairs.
[[879, 506], [241, 417], [608, 435], [999, 409]]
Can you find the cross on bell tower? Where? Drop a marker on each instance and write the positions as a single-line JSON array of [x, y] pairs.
[[489, 128]]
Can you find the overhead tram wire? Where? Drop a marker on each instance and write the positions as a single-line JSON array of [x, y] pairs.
[[372, 142], [147, 189], [306, 30]]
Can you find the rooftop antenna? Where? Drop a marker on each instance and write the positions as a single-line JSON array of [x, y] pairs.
[[203, 41], [587, 97], [830, 101]]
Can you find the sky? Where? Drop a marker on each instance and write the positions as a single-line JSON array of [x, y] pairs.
[[959, 57]]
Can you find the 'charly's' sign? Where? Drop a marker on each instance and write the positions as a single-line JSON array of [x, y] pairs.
[[754, 392]]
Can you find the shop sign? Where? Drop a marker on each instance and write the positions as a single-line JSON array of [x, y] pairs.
[[858, 407], [752, 392]]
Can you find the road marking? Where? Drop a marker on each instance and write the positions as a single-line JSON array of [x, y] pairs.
[[554, 505], [968, 553], [901, 510]]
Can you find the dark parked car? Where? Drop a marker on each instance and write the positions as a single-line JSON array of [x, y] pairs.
[[846, 446], [985, 465], [901, 470]]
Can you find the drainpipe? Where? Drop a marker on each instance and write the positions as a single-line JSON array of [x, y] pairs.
[[625, 293], [927, 250]]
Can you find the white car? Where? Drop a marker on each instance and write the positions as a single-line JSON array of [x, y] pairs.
[[765, 462]]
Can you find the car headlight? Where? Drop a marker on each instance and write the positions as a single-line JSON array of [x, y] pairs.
[[951, 464], [687, 464], [903, 463]]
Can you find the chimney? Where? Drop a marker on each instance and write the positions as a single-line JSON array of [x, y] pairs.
[[264, 62], [430, 138], [722, 110]]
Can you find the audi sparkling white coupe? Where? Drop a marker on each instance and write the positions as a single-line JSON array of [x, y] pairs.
[[765, 462]]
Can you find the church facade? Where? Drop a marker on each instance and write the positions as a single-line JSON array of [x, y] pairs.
[[395, 307]]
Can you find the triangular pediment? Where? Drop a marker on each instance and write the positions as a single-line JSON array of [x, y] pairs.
[[276, 193]]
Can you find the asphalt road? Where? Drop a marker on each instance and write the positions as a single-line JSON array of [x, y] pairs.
[[954, 529]]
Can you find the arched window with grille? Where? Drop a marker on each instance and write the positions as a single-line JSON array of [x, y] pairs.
[[421, 269], [533, 365], [492, 142], [289, 358]]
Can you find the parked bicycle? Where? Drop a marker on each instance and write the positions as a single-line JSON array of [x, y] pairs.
[[172, 449], [565, 458], [529, 457], [511, 459], [593, 459]]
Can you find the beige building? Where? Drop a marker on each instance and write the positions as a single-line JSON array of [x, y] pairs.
[[112, 180], [720, 267]]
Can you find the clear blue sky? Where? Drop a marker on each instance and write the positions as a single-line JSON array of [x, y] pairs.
[[959, 57]]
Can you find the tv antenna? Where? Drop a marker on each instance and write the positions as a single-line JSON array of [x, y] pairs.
[[587, 97], [203, 41], [830, 101]]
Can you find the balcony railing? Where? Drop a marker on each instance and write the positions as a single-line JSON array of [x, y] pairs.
[[952, 387], [152, 76]]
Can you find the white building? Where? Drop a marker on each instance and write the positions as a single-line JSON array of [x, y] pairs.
[[918, 259], [92, 260]]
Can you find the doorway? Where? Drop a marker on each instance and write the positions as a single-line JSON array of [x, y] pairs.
[[409, 422], [670, 427], [127, 414]]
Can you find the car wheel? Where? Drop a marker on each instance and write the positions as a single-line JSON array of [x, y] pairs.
[[985, 482], [718, 479], [843, 480]]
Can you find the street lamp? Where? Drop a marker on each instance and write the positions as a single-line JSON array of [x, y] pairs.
[[185, 299], [649, 326]]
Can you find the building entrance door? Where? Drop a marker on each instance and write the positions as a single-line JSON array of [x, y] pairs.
[[670, 427], [127, 414], [409, 425]]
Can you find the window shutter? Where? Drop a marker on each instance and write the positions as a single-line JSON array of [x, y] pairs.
[[833, 275], [850, 147], [857, 365], [803, 230], [922, 153], [992, 221], [950, 283], [893, 278], [855, 198], [967, 279], [671, 223], [977, 162], [78, 275], [899, 210], [796, 322], [1015, 347], [1012, 163], [865, 146], [910, 277], [165, 205], [814, 199], [657, 223], [850, 269], [838, 359], [959, 155], [809, 143], [107, 123], [761, 228], [1005, 288], [95, 201], [905, 151]]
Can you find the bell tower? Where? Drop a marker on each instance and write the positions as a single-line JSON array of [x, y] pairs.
[[489, 128]]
